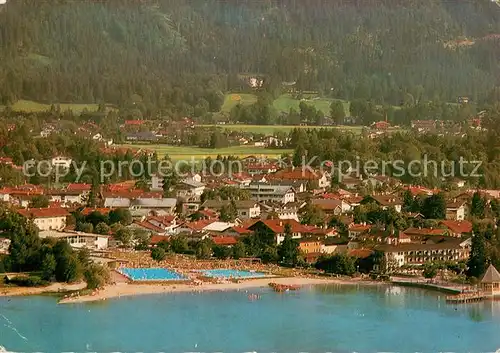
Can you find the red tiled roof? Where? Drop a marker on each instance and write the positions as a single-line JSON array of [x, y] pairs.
[[123, 186], [241, 176], [132, 194], [149, 226], [198, 225], [134, 122], [327, 204], [6, 160], [79, 187], [296, 174], [425, 231], [381, 125], [155, 239], [224, 240], [54, 204], [354, 199], [458, 226], [420, 190], [278, 225], [455, 204], [88, 210], [229, 182], [331, 196], [209, 213], [261, 166], [360, 253], [360, 227], [248, 223], [387, 200], [241, 230], [22, 190], [43, 212], [319, 230]]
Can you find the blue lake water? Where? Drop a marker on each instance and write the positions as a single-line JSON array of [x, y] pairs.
[[151, 274], [232, 274], [319, 319]]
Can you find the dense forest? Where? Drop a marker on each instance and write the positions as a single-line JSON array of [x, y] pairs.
[[180, 55]]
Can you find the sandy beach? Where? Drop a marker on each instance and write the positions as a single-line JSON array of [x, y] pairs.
[[131, 289]]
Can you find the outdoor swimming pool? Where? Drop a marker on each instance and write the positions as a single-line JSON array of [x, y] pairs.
[[232, 274], [151, 274]]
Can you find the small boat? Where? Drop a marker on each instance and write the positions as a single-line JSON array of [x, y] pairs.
[[283, 287]]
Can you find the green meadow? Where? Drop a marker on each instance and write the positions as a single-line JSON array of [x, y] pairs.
[[35, 107], [27, 106], [186, 153], [271, 129], [283, 103], [233, 99]]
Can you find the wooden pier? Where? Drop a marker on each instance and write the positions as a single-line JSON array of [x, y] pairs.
[[465, 298]]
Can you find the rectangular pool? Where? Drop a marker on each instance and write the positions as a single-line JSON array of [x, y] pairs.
[[151, 274], [232, 274]]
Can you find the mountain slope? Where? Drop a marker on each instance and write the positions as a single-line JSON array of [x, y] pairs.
[[178, 54]]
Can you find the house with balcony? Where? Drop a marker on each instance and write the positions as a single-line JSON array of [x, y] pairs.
[[245, 209], [356, 230], [262, 191], [332, 206], [276, 228], [313, 179], [189, 190], [385, 201], [420, 253]]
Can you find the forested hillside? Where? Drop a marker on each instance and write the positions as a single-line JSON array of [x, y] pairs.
[[182, 54]]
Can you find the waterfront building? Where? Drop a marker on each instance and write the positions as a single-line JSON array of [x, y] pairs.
[[490, 283]]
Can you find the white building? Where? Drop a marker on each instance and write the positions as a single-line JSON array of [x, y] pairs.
[[46, 218], [60, 161], [418, 254], [245, 209], [456, 210], [4, 245], [79, 240], [267, 192], [190, 190]]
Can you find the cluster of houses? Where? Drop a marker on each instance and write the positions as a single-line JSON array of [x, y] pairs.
[[275, 200]]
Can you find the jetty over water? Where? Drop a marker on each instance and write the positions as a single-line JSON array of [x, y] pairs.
[[489, 288], [465, 298]]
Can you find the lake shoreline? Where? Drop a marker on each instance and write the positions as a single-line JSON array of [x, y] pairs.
[[54, 288], [136, 289]]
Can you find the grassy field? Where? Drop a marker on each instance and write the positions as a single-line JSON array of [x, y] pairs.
[[185, 153], [33, 107], [271, 129], [286, 101], [283, 103], [233, 99]]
